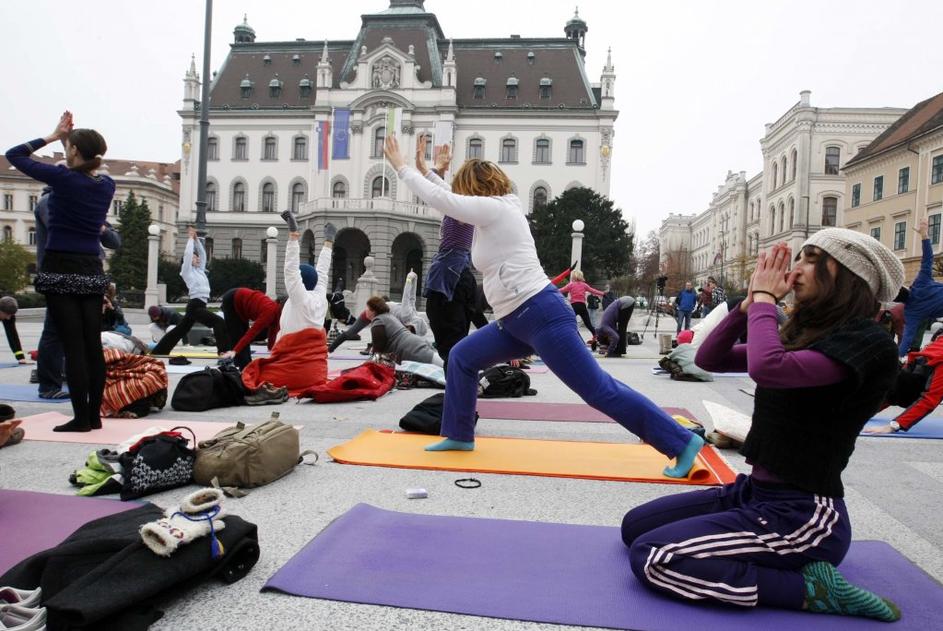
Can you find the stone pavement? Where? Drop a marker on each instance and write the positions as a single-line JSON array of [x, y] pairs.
[[892, 490]]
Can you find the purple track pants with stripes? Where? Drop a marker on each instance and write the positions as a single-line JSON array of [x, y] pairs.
[[742, 544]]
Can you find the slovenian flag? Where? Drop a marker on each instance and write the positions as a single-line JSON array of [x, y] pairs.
[[341, 141], [324, 141]]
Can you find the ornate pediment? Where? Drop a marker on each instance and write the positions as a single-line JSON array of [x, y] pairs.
[[386, 73]]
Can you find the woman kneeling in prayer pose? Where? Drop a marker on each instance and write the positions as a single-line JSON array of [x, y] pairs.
[[531, 316], [774, 537]]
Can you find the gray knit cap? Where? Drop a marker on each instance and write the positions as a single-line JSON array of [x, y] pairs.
[[865, 257]]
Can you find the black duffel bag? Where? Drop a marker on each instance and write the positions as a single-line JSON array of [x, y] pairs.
[[213, 387], [426, 417]]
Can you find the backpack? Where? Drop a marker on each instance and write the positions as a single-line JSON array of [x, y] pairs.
[[592, 301], [504, 381], [213, 387], [632, 338], [156, 463], [247, 457], [426, 417]]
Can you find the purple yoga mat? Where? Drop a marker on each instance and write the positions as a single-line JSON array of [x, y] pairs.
[[33, 522], [534, 411], [556, 573]]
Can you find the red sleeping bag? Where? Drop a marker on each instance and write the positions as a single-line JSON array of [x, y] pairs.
[[366, 381], [298, 361]]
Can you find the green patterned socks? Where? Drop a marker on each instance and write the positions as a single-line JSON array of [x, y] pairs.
[[827, 591]]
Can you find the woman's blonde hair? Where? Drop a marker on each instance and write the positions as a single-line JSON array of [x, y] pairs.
[[577, 275], [481, 179]]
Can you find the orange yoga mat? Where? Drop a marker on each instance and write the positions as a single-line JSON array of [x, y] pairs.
[[113, 431], [520, 456]]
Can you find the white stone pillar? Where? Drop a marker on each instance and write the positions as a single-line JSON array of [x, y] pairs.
[[576, 251], [366, 285], [151, 294], [271, 261]]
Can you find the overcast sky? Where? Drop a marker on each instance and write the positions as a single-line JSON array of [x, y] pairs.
[[697, 79]]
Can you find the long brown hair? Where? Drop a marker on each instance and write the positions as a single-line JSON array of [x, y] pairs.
[[91, 146], [845, 297], [481, 178]]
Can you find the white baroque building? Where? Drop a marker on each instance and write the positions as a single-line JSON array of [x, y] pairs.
[[799, 191], [524, 103]]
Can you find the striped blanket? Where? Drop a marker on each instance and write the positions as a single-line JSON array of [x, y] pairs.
[[130, 378]]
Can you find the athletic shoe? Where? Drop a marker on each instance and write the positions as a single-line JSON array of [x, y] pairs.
[[267, 395], [54, 394], [22, 597], [19, 618]]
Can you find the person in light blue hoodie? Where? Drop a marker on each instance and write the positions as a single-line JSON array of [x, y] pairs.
[[193, 271]]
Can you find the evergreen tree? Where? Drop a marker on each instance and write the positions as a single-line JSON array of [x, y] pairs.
[[14, 262], [128, 266], [607, 248]]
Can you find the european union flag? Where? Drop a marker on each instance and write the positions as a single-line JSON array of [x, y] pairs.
[[341, 141]]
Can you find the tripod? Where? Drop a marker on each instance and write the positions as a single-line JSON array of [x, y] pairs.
[[653, 309]]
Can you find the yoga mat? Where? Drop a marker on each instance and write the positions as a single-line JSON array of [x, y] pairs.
[[927, 428], [33, 522], [113, 431], [190, 355], [556, 573], [558, 412], [661, 371], [357, 357], [10, 364], [27, 393], [520, 456]]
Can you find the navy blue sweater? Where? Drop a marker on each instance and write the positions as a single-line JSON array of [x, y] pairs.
[[78, 204]]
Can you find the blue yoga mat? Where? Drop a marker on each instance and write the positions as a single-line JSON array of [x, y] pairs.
[[927, 428], [558, 573], [9, 364], [16, 392]]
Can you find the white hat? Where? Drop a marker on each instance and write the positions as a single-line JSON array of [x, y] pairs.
[[865, 257]]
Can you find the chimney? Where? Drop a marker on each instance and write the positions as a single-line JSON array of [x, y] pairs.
[[804, 98]]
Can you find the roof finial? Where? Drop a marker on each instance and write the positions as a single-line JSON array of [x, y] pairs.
[[324, 52], [576, 14], [450, 56], [245, 19], [609, 58]]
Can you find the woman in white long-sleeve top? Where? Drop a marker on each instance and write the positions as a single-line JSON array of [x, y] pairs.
[[530, 315]]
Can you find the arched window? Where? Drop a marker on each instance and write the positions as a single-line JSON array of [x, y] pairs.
[[782, 216], [511, 85], [576, 155], [239, 197], [795, 160], [240, 148], [792, 212], [772, 220], [339, 190], [775, 179], [299, 150], [237, 248], [832, 160], [540, 197], [212, 148], [268, 197], [829, 211], [508, 150], [380, 187], [379, 135], [297, 196], [211, 196], [542, 151], [476, 148], [428, 138], [270, 149]]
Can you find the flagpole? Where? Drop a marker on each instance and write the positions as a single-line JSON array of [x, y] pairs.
[[386, 134], [330, 149]]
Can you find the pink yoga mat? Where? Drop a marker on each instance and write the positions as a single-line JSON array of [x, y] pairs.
[[533, 411], [113, 431]]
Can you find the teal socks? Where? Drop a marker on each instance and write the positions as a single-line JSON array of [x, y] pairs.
[[827, 591], [685, 459], [447, 444]]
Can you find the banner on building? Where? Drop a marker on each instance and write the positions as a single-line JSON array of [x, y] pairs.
[[324, 141], [341, 143], [442, 133], [394, 120]]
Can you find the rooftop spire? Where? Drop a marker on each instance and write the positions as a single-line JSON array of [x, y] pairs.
[[324, 52], [450, 56]]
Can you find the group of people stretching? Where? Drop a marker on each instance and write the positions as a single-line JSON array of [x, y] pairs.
[[772, 538]]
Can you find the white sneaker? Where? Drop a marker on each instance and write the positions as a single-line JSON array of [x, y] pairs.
[[21, 597], [18, 618]]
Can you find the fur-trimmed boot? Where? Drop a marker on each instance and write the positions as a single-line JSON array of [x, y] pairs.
[[198, 515]]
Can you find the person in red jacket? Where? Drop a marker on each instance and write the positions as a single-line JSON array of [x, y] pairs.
[[241, 306], [918, 388]]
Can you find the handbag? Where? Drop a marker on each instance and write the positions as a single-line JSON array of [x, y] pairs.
[[156, 463], [212, 387]]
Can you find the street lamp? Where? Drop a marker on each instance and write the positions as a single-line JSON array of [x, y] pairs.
[[576, 250], [204, 123]]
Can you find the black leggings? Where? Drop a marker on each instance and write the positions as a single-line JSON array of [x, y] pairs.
[[349, 333], [196, 312], [78, 322], [450, 320], [581, 311]]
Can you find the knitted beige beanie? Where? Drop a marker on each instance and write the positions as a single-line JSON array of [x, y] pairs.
[[864, 256]]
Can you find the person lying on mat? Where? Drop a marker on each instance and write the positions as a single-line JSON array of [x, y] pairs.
[[613, 325], [299, 357], [391, 336], [242, 306], [193, 272], [531, 315], [774, 537], [8, 309], [918, 388]]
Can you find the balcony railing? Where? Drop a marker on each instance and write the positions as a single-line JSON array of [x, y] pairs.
[[376, 204]]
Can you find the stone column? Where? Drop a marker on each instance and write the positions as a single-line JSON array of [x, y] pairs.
[[366, 286], [151, 294], [576, 251], [271, 261]]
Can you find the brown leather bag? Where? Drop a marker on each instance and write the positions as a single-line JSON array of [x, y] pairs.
[[247, 457]]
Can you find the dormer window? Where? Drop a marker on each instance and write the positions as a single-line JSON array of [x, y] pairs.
[[512, 85], [245, 87], [267, 60], [546, 85], [275, 87], [480, 84], [498, 55], [530, 56], [304, 86], [296, 59]]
